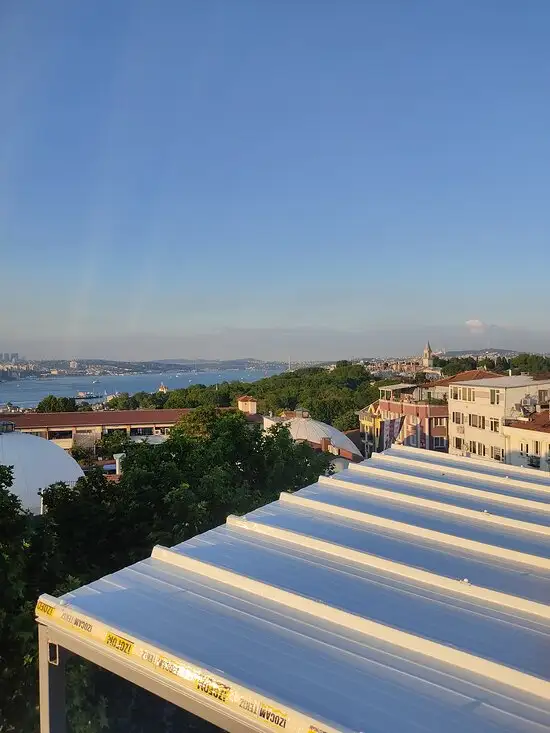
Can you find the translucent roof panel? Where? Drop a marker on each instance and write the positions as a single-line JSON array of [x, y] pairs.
[[343, 607]]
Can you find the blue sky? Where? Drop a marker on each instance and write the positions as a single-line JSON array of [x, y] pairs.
[[247, 177]]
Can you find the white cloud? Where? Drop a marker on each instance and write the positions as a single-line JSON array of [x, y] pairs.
[[474, 325]]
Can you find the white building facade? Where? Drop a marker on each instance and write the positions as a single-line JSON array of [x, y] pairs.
[[479, 413], [528, 441]]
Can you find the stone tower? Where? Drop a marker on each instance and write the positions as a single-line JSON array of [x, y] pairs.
[[427, 356]]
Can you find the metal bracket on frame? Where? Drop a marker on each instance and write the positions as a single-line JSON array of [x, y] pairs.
[[53, 654]]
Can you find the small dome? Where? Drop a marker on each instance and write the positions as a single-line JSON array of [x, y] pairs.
[[37, 463], [304, 428]]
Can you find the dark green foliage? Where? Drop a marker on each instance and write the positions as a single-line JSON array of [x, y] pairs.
[[530, 363], [458, 364], [115, 442], [57, 404]]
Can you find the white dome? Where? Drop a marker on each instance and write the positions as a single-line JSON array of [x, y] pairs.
[[37, 463], [304, 428]]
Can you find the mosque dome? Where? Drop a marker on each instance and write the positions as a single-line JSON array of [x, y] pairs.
[[313, 431], [36, 462]]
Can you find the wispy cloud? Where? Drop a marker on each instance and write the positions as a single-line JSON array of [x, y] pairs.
[[474, 325]]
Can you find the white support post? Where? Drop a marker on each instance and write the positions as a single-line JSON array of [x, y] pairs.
[[51, 664]]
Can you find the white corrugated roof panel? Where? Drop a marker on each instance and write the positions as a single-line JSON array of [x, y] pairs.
[[336, 609]]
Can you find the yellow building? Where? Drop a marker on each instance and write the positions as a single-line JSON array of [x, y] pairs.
[[370, 421]]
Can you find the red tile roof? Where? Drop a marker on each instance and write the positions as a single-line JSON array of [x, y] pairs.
[[246, 398], [102, 418], [111, 418], [461, 377], [539, 421]]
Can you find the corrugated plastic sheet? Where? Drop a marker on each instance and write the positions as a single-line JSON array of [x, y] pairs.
[[343, 609]]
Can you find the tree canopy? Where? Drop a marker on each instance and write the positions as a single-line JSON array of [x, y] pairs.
[[51, 403], [213, 464]]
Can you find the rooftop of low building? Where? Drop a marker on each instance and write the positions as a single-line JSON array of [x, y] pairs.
[[503, 382], [538, 421]]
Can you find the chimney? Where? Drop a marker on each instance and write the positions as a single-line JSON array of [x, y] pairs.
[[118, 462]]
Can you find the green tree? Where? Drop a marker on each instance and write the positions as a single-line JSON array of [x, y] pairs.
[[347, 421], [502, 364], [51, 403], [17, 654], [530, 363], [83, 454], [117, 441], [486, 363]]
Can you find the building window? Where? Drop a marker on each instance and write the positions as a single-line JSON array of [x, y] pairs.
[[468, 394], [497, 453], [439, 442], [476, 421], [454, 393], [523, 449], [438, 422], [60, 434], [495, 425], [536, 447], [141, 431], [459, 443], [458, 418], [495, 397], [477, 448]]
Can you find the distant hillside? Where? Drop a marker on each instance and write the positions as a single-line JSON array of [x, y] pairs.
[[222, 364], [480, 352]]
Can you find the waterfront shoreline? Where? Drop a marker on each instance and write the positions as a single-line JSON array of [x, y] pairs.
[[27, 393]]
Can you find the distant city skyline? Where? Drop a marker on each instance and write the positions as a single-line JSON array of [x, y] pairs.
[[274, 179]]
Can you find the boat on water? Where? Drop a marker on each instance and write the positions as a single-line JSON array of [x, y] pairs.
[[95, 381], [86, 396]]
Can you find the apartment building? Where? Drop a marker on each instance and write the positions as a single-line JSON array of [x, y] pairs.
[[478, 413], [528, 440], [413, 415]]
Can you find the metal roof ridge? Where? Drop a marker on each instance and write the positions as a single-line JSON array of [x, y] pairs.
[[466, 661], [436, 506], [515, 501], [460, 586], [452, 470], [506, 470], [441, 538]]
